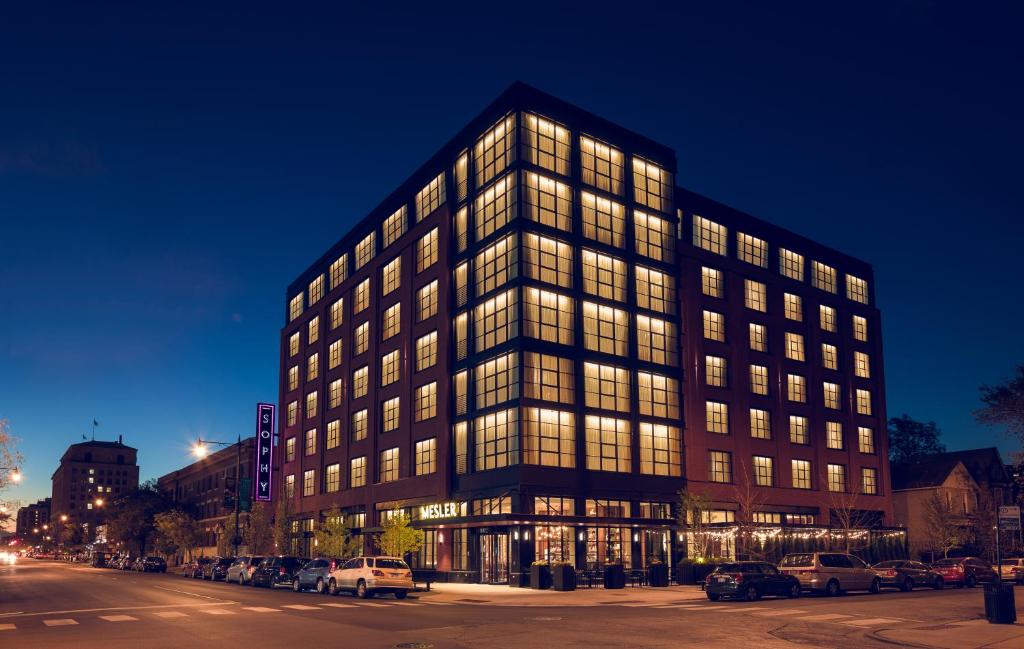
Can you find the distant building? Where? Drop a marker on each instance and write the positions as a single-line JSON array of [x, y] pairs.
[[201, 487], [31, 518], [90, 475]]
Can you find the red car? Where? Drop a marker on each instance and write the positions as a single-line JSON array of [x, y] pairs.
[[965, 571]]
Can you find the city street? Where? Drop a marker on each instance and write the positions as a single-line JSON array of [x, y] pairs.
[[47, 604]]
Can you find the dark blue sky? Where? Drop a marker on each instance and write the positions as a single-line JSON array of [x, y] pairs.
[[166, 169]]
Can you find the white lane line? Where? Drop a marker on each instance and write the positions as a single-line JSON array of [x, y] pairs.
[[374, 605], [63, 622], [261, 609], [681, 606], [430, 601], [185, 592], [119, 618], [783, 611], [825, 617], [338, 605], [112, 608], [216, 611], [170, 614], [7, 627], [741, 609], [872, 621], [301, 607]]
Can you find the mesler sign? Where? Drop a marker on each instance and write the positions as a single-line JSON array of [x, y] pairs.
[[441, 510]]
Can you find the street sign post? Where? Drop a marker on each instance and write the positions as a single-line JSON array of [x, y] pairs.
[[1009, 518]]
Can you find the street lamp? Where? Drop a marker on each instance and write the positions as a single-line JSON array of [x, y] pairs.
[[201, 450], [63, 518], [99, 502], [15, 473]]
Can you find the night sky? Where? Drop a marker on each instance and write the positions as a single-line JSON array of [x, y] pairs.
[[166, 169]]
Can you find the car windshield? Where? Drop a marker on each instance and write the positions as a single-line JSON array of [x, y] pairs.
[[797, 560], [397, 564]]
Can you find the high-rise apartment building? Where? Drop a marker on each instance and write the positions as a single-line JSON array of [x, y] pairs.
[[32, 521], [91, 475], [538, 340]]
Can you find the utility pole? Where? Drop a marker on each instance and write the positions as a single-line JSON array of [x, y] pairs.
[[238, 492]]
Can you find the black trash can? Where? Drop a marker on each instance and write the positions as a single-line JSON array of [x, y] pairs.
[[1000, 607]]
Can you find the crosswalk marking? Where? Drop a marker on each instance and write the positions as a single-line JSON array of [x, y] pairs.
[[216, 611], [781, 611], [7, 627], [261, 609], [374, 604], [430, 601], [170, 614], [872, 621], [301, 607], [119, 618], [681, 606], [60, 622], [339, 605], [825, 617]]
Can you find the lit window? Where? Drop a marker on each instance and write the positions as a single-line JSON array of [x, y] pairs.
[[714, 326], [495, 150], [391, 276], [658, 395], [605, 329], [863, 402], [828, 318], [495, 206], [751, 250], [652, 185], [604, 276], [793, 307], [293, 413], [760, 424], [496, 264], [860, 328], [715, 373], [549, 378], [360, 382], [710, 235], [311, 404], [547, 260], [460, 278], [426, 251], [426, 456], [391, 321], [831, 395], [547, 201], [603, 220], [601, 165], [495, 320], [834, 435], [308, 482], [655, 237], [337, 313], [758, 337], [656, 341], [388, 470], [546, 143], [390, 367], [799, 430], [856, 289], [333, 434], [332, 478], [711, 282], [360, 419], [461, 335], [764, 475], [608, 444], [497, 439], [794, 346], [339, 271], [836, 477], [430, 197], [869, 480], [606, 387], [293, 344], [716, 415], [293, 377], [310, 446], [313, 330], [861, 365], [295, 307], [755, 295], [497, 380], [549, 437], [394, 226], [357, 472], [316, 289], [426, 351], [460, 226], [426, 301], [390, 413], [796, 388], [334, 393], [366, 249], [791, 264], [289, 449], [801, 474], [865, 439], [660, 450], [759, 379], [548, 316], [823, 277], [361, 296], [360, 339], [719, 466], [460, 172], [655, 290], [829, 357], [289, 486]]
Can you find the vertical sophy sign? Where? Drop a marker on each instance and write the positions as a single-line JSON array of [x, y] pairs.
[[264, 451]]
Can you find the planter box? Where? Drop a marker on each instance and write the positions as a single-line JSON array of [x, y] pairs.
[[657, 575], [563, 577], [614, 576], [540, 577]]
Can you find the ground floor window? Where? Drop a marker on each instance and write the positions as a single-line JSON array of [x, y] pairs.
[[555, 543], [426, 558], [460, 549], [608, 545]]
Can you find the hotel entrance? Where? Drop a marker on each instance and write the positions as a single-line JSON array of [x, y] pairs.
[[494, 558]]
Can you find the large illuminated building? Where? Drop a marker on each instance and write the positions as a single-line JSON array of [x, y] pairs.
[[90, 477], [538, 340]]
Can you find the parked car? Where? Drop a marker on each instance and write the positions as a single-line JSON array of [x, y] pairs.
[[749, 580], [241, 569], [137, 564], [1012, 570], [831, 573], [367, 576], [905, 574], [154, 564], [127, 563], [195, 568], [315, 575], [965, 571], [217, 568], [277, 571]]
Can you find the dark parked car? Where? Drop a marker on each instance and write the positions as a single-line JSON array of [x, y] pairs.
[[905, 575], [965, 571], [195, 568], [315, 575], [241, 569], [154, 564], [126, 564], [750, 580], [217, 569], [277, 571]]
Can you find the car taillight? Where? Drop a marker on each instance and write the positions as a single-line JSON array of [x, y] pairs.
[[889, 573], [707, 580], [283, 571], [738, 578], [808, 572], [377, 573], [334, 565], [958, 568]]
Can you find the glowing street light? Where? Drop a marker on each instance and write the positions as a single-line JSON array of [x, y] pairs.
[[99, 502], [63, 518], [200, 450], [16, 476]]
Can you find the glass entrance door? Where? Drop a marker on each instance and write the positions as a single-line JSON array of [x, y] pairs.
[[494, 558]]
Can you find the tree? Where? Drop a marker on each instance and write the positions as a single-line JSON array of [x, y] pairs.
[[848, 515], [10, 458], [257, 531], [334, 538], [749, 499], [224, 545], [911, 440], [283, 538], [691, 516], [1004, 405], [943, 531], [130, 518], [398, 539], [177, 531]]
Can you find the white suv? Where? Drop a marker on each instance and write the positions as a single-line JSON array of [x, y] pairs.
[[367, 576]]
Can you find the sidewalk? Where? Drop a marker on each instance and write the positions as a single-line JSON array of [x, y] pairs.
[[496, 595], [972, 634]]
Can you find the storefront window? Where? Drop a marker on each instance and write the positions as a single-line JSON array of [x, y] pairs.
[[555, 543], [460, 549], [427, 556], [608, 545], [654, 546]]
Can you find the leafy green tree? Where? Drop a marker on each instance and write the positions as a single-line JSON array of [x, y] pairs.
[[257, 530], [911, 440], [1004, 405], [398, 538], [130, 517], [177, 531], [334, 538]]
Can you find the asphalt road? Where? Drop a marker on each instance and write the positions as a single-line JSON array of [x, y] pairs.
[[48, 604]]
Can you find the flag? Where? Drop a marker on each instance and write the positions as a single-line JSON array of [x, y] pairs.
[[95, 423]]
